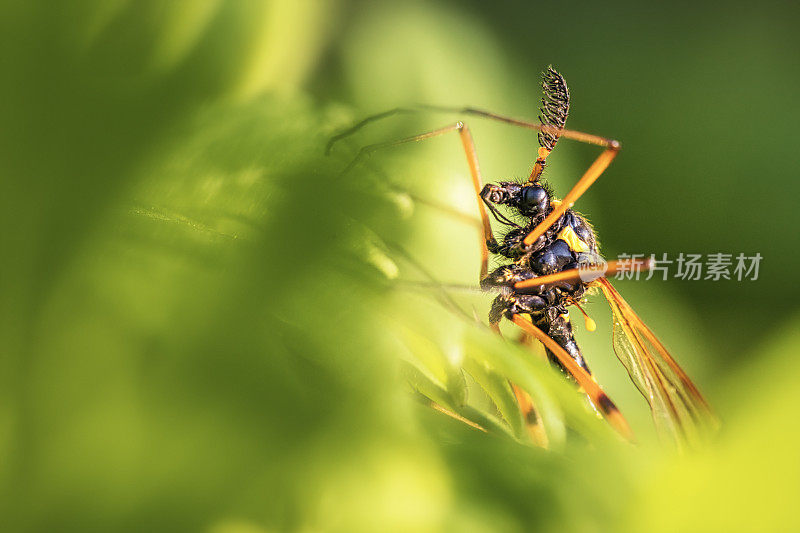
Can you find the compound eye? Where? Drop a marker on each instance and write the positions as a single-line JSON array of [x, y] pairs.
[[533, 199]]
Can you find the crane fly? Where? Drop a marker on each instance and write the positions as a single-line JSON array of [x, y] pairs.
[[552, 259]]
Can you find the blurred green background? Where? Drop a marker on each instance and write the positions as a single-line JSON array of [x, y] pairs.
[[205, 327]]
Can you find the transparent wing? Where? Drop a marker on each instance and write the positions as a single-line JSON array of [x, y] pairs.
[[679, 410]]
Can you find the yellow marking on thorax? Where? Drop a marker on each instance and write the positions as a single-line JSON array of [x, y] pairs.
[[574, 242]]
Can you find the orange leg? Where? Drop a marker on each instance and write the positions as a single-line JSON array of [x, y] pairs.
[[611, 146], [529, 411], [585, 274], [599, 398], [532, 418], [586, 181], [567, 134], [457, 416], [526, 406], [474, 169]]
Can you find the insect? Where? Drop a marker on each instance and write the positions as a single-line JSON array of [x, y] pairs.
[[552, 261]]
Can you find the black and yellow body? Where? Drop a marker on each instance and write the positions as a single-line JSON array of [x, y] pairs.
[[568, 244]]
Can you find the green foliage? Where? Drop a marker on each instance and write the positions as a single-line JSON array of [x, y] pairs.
[[205, 326]]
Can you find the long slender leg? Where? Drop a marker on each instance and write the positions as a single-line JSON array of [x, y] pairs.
[[457, 416], [530, 415], [599, 398], [572, 275], [357, 126], [592, 173], [566, 133], [474, 168], [611, 146], [533, 419], [586, 274]]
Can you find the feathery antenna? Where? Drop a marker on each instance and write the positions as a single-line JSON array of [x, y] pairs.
[[555, 106]]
